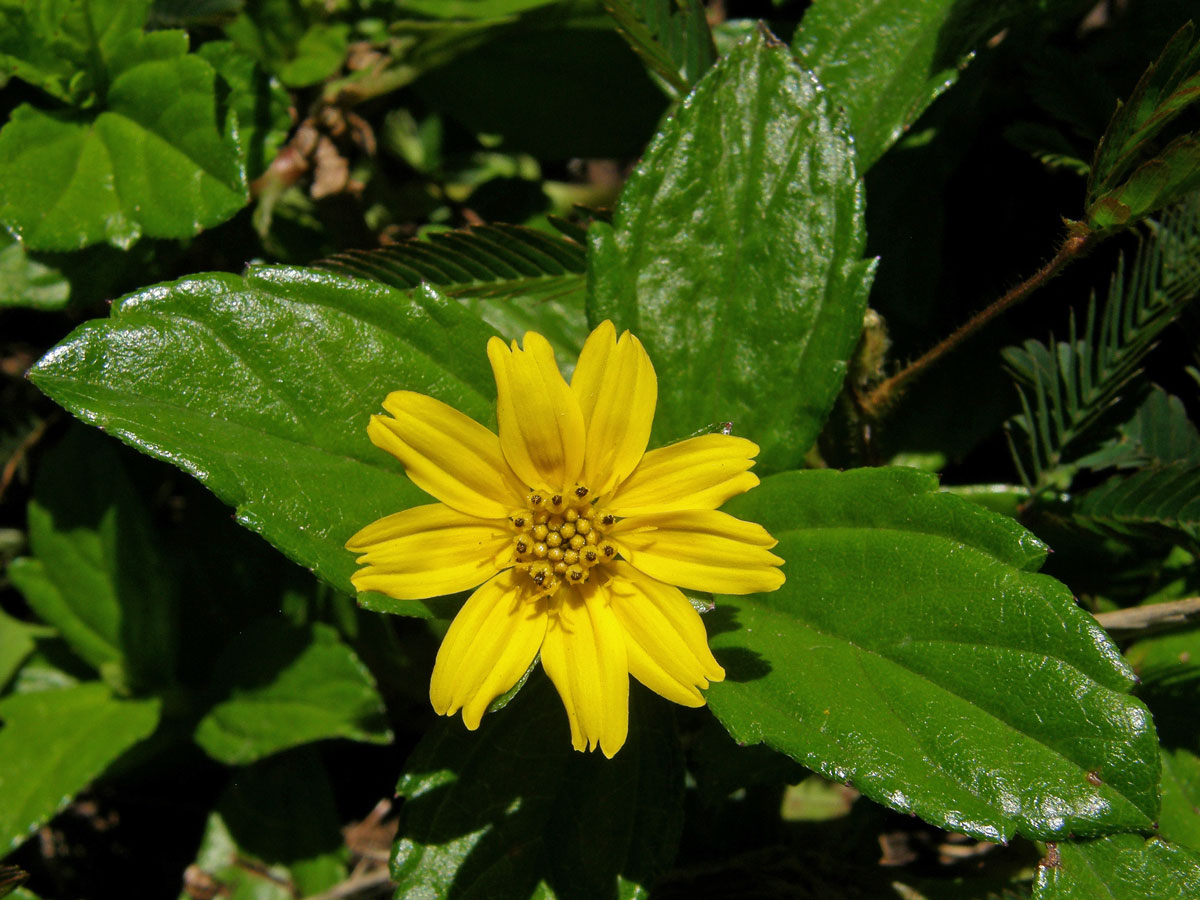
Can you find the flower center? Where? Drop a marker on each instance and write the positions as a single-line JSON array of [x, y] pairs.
[[560, 538]]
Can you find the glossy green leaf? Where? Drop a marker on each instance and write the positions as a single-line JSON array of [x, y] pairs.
[[511, 812], [1121, 867], [96, 575], [672, 37], [153, 161], [54, 743], [1180, 818], [735, 256], [276, 816], [915, 653], [283, 686], [26, 282], [262, 386], [885, 61]]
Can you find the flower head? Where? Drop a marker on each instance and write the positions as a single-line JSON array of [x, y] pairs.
[[576, 539]]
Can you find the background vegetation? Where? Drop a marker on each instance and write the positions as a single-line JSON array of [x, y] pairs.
[[232, 226]]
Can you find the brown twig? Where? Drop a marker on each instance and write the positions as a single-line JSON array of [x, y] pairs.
[[27, 444], [884, 395], [1153, 616]]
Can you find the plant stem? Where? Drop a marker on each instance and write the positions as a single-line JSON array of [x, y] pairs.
[[885, 394]]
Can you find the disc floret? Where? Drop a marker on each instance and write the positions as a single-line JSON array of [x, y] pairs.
[[560, 538]]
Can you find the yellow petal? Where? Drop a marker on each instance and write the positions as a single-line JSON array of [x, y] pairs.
[[617, 390], [664, 637], [448, 455], [427, 551], [704, 550], [541, 426], [699, 473], [490, 644], [584, 655]]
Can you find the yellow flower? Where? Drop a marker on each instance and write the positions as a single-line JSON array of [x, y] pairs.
[[573, 533]]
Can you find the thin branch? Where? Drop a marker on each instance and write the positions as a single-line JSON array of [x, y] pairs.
[[1078, 242], [1153, 616]]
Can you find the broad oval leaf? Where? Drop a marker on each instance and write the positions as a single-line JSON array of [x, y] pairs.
[[262, 385], [1121, 867], [914, 653], [511, 812], [54, 743], [735, 256], [287, 686]]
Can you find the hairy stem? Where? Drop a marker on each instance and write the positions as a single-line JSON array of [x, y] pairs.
[[885, 395]]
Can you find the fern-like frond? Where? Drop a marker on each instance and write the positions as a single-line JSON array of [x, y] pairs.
[[512, 277], [1065, 387], [485, 260], [671, 36], [1162, 500]]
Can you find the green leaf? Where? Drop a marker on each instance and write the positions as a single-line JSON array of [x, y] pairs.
[[514, 278], [735, 256], [1169, 85], [253, 103], [25, 282], [54, 743], [97, 576], [277, 816], [1180, 819], [285, 686], [1158, 433], [914, 653], [65, 47], [1121, 867], [262, 386], [191, 13], [671, 36], [16, 644], [291, 41], [1161, 499], [885, 61], [512, 812], [152, 162]]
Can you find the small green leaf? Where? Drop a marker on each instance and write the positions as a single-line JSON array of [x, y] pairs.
[[914, 653], [1180, 819], [319, 54], [25, 282], [255, 98], [278, 814], [511, 812], [16, 643], [287, 686], [152, 162], [262, 386], [735, 256], [97, 576], [1121, 867], [54, 743], [885, 61]]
